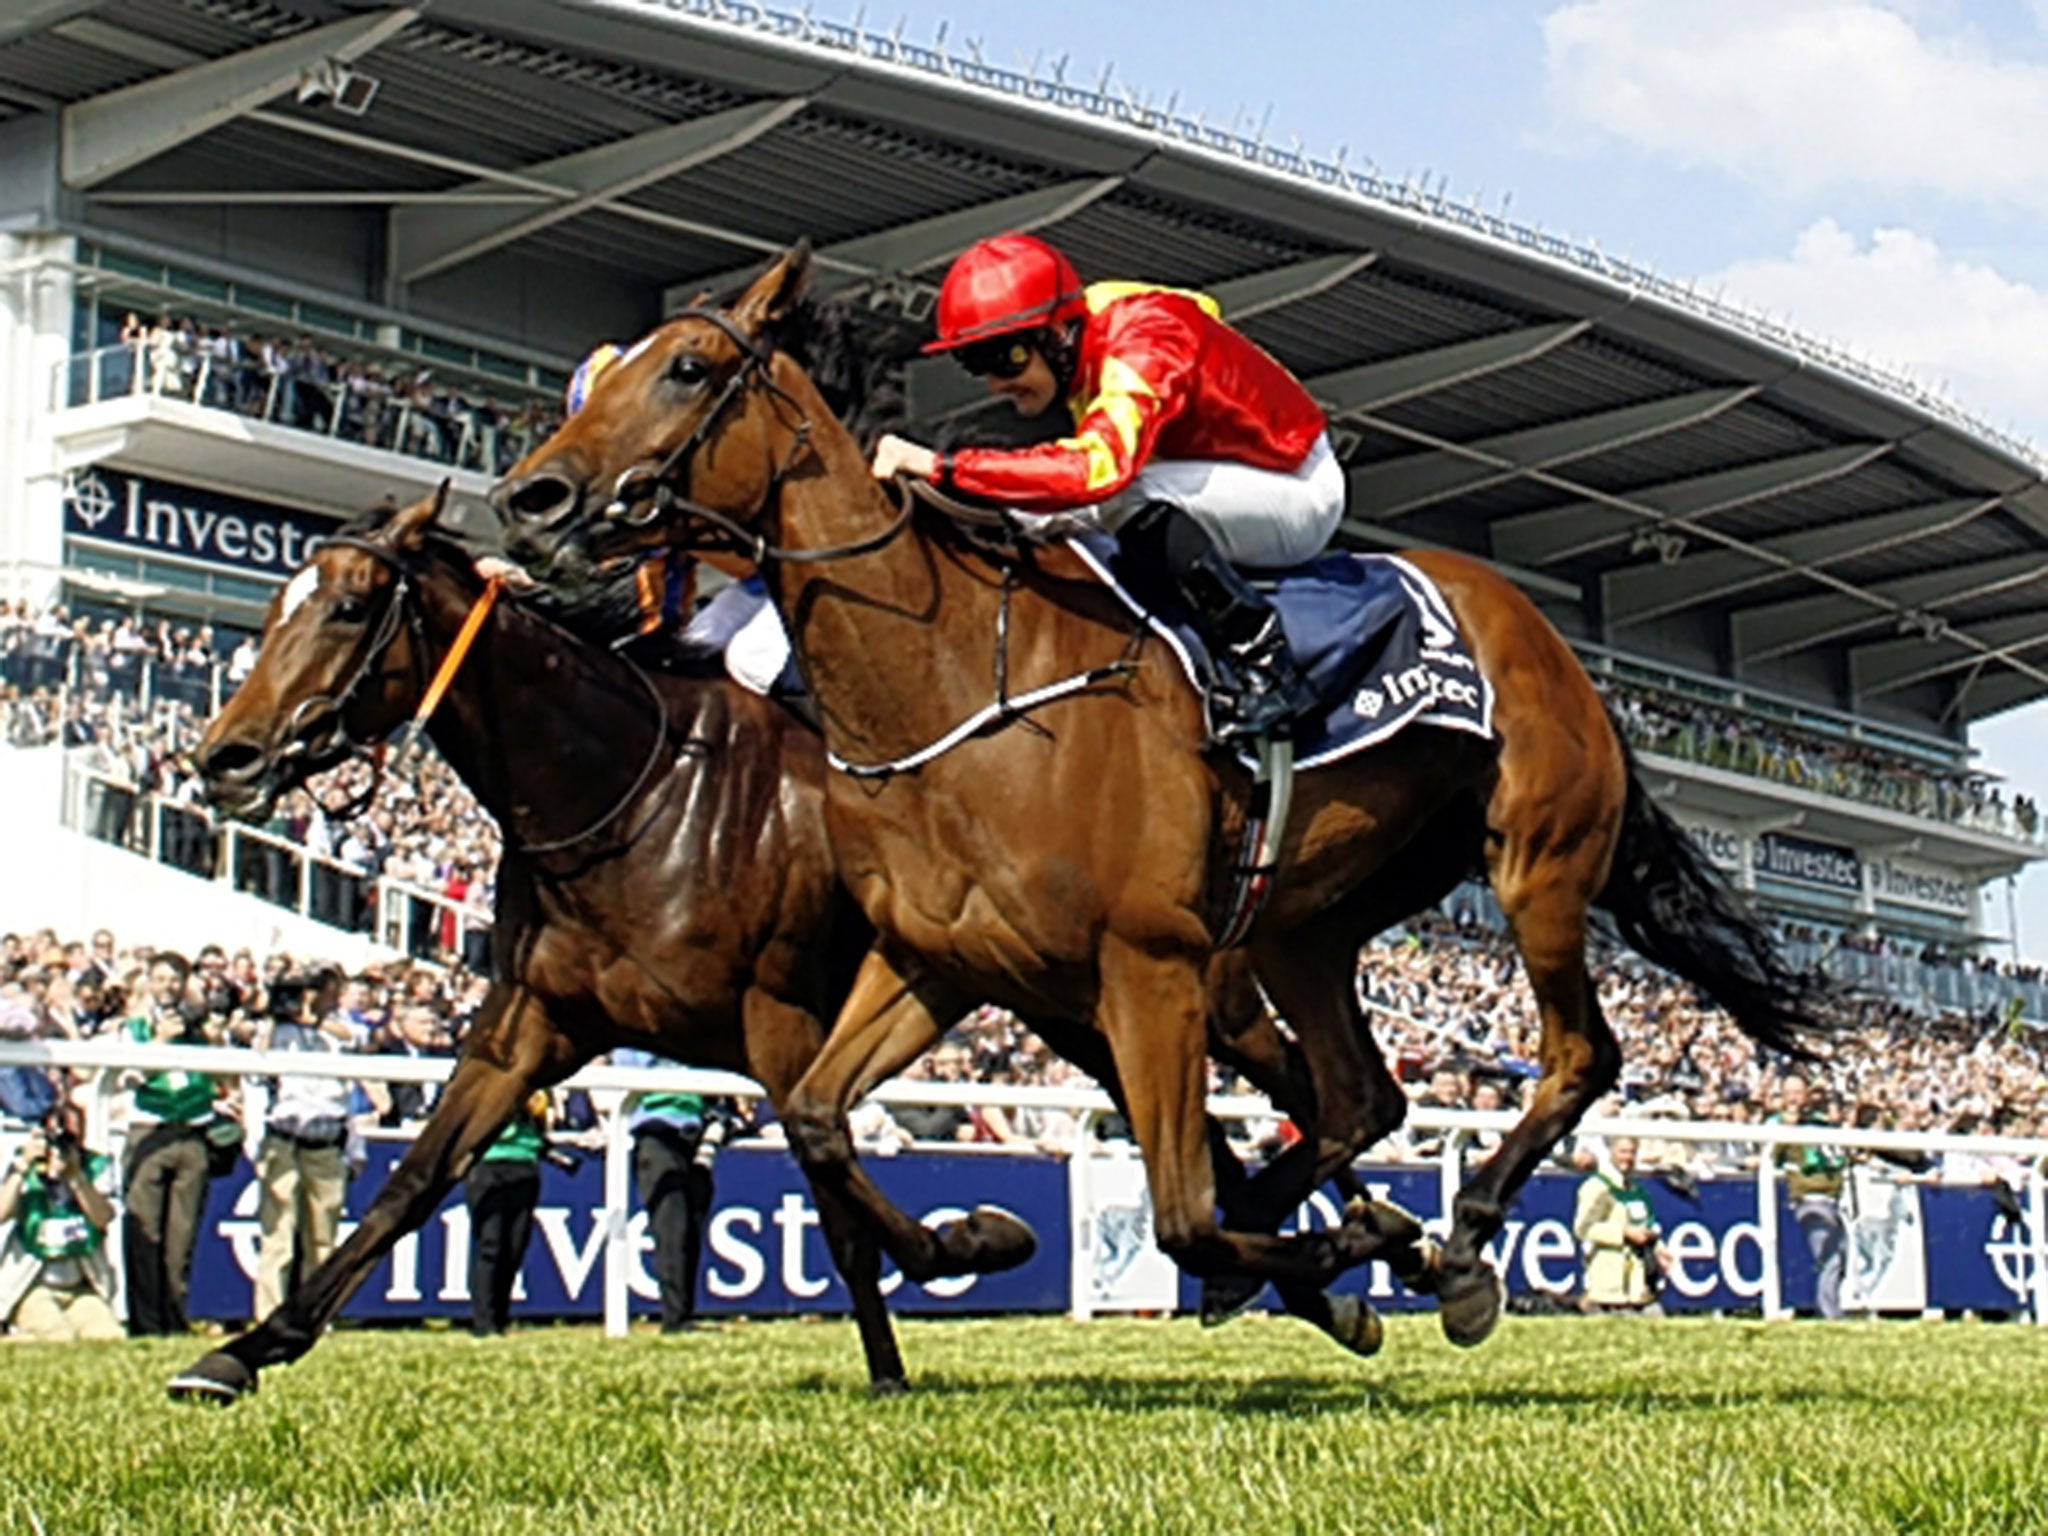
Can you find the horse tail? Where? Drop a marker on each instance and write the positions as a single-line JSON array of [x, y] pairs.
[[1676, 909]]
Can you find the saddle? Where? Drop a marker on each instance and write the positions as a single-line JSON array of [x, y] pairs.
[[1374, 635]]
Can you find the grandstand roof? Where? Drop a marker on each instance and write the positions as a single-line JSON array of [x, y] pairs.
[[1668, 476]]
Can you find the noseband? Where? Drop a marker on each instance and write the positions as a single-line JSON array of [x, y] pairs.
[[398, 609], [642, 495]]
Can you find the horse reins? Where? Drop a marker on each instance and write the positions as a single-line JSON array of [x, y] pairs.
[[643, 495], [399, 608]]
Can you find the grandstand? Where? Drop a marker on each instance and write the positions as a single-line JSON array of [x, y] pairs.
[[264, 263], [269, 261]]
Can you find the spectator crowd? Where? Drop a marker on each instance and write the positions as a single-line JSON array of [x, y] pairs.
[[138, 709], [403, 407], [1449, 1007], [1695, 731]]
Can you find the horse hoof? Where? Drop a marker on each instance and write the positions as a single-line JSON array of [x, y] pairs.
[[218, 1378], [888, 1386], [1419, 1266], [1469, 1304], [1225, 1297], [1355, 1325], [989, 1239], [1395, 1227]]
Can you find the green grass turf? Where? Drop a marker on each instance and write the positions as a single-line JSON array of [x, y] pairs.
[[1631, 1426]]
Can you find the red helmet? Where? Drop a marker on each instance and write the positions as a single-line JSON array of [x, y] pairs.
[[1003, 284]]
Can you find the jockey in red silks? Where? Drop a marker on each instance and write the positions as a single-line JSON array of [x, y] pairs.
[[1191, 445]]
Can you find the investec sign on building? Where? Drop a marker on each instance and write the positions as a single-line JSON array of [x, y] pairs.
[[159, 518], [1834, 867]]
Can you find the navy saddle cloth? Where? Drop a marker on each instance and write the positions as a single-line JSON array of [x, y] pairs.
[[1375, 636]]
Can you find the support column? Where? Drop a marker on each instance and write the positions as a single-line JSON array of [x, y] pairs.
[[36, 294]]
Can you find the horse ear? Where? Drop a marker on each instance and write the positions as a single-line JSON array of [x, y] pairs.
[[408, 529], [776, 292]]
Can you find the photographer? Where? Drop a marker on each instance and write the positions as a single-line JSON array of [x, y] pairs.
[[169, 1159], [302, 1165], [1613, 1221], [55, 1282]]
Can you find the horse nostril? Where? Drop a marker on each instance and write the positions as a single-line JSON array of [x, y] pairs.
[[231, 759], [545, 496]]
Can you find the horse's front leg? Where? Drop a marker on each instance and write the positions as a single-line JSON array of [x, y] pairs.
[[514, 1049], [1152, 1010], [889, 1019], [782, 1039]]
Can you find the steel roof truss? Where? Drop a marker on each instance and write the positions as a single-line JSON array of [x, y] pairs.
[[515, 180], [27, 17], [109, 134], [1258, 293], [921, 243], [1374, 386], [426, 240], [1396, 487], [1640, 594], [1566, 533], [1780, 629], [1886, 666]]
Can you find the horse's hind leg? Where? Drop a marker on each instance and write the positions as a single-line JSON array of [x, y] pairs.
[[514, 1049], [1547, 911], [782, 1039]]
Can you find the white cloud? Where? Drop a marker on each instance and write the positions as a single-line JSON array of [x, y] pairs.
[[1899, 301], [1804, 95]]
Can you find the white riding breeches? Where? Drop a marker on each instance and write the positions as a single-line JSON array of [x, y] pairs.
[[742, 621], [1261, 518]]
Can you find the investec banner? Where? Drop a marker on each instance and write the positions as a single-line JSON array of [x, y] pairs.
[[1921, 885], [1909, 1246], [158, 517], [1805, 862]]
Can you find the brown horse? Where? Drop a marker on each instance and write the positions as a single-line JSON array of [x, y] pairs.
[[666, 882], [1078, 866]]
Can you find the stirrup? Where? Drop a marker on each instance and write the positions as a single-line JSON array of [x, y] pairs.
[[1261, 689]]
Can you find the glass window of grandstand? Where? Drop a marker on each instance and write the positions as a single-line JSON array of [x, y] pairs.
[[144, 329]]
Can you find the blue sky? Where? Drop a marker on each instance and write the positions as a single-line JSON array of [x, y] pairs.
[[1873, 171]]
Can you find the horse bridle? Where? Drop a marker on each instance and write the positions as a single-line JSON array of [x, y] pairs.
[[399, 608], [642, 495]]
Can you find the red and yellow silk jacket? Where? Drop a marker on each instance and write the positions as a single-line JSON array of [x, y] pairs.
[[1159, 376]]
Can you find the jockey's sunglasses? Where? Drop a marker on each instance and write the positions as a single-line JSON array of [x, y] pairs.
[[1001, 357]]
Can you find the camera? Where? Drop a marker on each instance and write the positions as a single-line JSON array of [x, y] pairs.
[[60, 1133], [288, 998]]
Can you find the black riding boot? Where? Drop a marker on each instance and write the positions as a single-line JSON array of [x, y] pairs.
[[1260, 691]]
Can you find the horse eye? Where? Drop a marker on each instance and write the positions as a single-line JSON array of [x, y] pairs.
[[350, 609], [689, 369]]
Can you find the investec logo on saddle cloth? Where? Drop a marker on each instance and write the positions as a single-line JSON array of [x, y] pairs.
[[158, 517], [1376, 638]]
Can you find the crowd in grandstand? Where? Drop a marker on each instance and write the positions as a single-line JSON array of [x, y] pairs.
[[1450, 1009], [404, 407], [425, 829], [1693, 730]]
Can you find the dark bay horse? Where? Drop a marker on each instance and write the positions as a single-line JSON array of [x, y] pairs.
[[1077, 865], [666, 880]]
